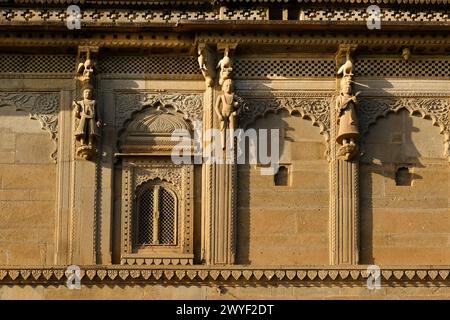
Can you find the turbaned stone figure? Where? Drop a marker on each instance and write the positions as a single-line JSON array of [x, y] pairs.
[[89, 124], [348, 132]]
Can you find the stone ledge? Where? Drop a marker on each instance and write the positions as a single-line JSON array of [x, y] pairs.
[[356, 275]]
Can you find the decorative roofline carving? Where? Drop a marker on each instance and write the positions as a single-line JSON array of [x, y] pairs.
[[216, 2], [319, 14], [43, 107]]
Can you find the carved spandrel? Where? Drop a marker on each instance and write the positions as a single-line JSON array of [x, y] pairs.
[[436, 109], [191, 105], [41, 107], [315, 109]]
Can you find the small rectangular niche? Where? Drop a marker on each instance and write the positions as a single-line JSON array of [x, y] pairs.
[[294, 14], [281, 178], [275, 13], [403, 176]]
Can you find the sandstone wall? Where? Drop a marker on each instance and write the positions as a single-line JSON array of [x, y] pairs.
[[403, 225], [27, 191], [286, 224]]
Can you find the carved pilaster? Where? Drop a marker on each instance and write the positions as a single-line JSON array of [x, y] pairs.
[[219, 179], [87, 175], [344, 166]]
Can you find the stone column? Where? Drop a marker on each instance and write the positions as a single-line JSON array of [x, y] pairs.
[[344, 167], [218, 182], [86, 170], [63, 233]]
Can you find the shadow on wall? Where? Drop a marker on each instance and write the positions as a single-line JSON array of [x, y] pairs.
[[285, 221], [403, 179], [244, 194], [389, 152]]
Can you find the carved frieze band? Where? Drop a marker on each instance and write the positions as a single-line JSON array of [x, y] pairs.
[[43, 107], [316, 109], [435, 109], [124, 17], [186, 274], [190, 105]]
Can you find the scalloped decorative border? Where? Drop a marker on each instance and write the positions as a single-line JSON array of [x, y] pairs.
[[241, 275]]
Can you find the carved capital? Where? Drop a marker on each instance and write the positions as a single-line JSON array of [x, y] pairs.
[[226, 63], [86, 64], [206, 62]]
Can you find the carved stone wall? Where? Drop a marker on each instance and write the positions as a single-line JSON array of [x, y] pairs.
[[318, 222]]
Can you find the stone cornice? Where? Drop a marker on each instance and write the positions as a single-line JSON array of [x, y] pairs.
[[356, 275], [197, 19], [228, 2], [118, 2], [339, 1], [176, 41]]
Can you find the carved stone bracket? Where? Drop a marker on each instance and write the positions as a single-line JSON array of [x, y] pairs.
[[435, 109], [191, 105], [43, 107]]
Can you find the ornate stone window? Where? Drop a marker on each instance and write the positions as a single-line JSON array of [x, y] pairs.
[[157, 194]]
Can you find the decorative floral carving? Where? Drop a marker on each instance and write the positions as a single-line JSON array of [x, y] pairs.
[[436, 109], [41, 106], [172, 175], [315, 109], [191, 105]]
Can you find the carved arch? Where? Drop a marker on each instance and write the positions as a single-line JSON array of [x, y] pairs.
[[435, 109], [162, 173], [129, 104], [317, 110]]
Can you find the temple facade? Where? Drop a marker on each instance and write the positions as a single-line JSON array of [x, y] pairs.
[[224, 149]]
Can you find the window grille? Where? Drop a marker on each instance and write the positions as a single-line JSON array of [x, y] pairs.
[[156, 213]]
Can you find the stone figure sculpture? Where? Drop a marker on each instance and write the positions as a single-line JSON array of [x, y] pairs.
[[204, 61], [89, 124], [348, 132], [225, 66], [227, 109], [85, 70]]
